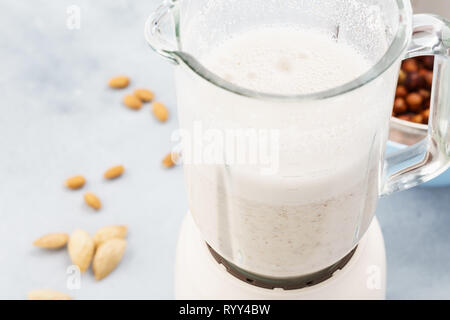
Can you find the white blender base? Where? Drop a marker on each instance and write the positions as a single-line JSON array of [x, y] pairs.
[[198, 276]]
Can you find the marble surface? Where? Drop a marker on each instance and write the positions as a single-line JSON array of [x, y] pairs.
[[59, 119]]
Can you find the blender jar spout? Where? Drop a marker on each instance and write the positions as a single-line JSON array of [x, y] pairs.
[[161, 26]]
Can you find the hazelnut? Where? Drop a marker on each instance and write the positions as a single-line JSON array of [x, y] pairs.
[[406, 117], [414, 81], [429, 78], [400, 106], [428, 62], [402, 77], [414, 101], [410, 65], [426, 94], [423, 72], [401, 91], [418, 118]]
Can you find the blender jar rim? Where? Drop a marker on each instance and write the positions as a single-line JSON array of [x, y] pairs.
[[396, 49]]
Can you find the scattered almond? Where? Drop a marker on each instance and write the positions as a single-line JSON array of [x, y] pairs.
[[144, 95], [75, 182], [119, 82], [81, 249], [170, 160], [110, 232], [114, 172], [47, 294], [92, 200], [107, 257], [160, 111], [132, 102], [52, 241]]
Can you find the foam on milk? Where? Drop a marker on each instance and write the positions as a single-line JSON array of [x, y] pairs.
[[315, 209], [285, 61]]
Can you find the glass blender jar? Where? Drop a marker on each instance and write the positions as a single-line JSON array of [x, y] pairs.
[[283, 185]]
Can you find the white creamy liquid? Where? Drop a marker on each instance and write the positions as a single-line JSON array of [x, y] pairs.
[[285, 61], [314, 210]]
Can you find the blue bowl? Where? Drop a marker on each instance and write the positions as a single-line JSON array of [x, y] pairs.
[[440, 181]]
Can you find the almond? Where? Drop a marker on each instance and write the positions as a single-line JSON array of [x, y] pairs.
[[92, 200], [114, 172], [75, 182], [81, 249], [160, 111], [170, 160], [52, 241], [110, 232], [47, 294], [119, 82], [144, 95], [132, 102], [107, 257]]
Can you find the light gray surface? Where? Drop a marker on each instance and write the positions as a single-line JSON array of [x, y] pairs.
[[59, 118]]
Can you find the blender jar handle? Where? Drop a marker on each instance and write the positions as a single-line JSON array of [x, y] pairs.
[[431, 36], [156, 29]]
